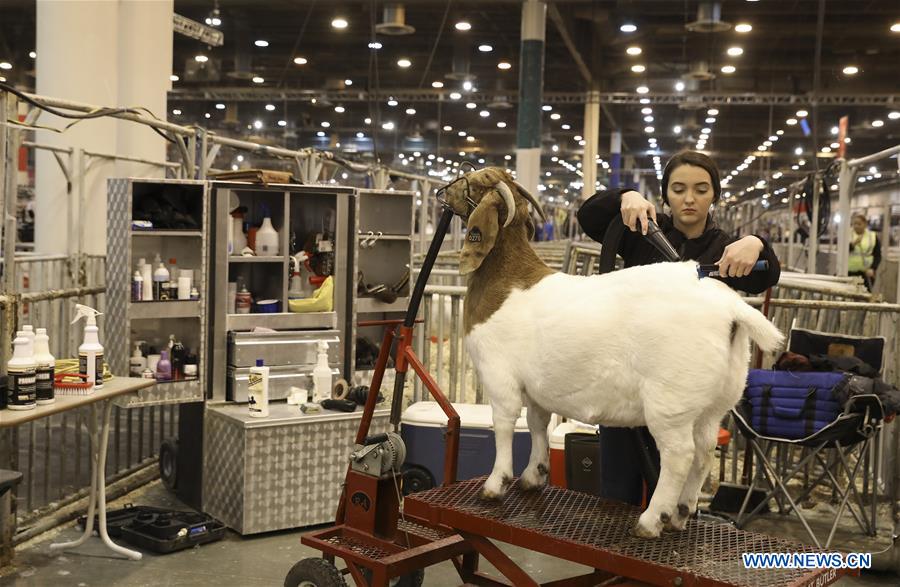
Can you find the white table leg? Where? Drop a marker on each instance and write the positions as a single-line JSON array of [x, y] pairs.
[[97, 497]]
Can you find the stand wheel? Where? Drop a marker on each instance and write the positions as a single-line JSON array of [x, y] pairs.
[[416, 479], [168, 461], [314, 572], [414, 579]]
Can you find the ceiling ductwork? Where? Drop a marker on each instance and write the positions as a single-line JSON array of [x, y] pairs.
[[709, 19], [461, 63], [501, 100], [394, 23], [699, 71]]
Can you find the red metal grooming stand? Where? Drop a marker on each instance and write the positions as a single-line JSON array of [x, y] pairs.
[[379, 541]]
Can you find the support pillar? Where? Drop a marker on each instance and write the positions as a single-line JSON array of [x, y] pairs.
[[615, 159], [846, 180], [591, 144], [531, 85]]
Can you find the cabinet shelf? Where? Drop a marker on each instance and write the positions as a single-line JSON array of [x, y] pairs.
[[282, 320], [167, 233], [170, 309], [241, 259]]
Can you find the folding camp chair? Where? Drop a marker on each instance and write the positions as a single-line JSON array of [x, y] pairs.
[[839, 447]]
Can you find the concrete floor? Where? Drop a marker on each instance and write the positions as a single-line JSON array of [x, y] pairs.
[[235, 561]]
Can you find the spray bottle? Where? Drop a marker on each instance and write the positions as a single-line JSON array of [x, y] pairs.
[[21, 371], [45, 366], [138, 361], [90, 353], [298, 286], [322, 374]]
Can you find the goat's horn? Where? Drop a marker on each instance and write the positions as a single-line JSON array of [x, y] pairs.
[[527, 195], [510, 202]]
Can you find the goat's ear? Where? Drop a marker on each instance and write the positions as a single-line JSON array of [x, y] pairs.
[[481, 234]]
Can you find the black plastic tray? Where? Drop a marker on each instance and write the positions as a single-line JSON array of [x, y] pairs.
[[160, 530]]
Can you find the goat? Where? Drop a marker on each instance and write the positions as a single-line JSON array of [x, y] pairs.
[[647, 346]]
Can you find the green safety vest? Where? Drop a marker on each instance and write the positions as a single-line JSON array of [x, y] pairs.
[[861, 257]]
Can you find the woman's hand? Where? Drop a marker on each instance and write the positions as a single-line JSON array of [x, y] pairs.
[[739, 257], [635, 208]]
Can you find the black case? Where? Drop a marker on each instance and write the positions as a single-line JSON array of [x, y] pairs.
[[160, 530]]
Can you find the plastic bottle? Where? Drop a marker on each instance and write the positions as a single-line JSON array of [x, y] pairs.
[[322, 374], [237, 240], [243, 301], [299, 286], [266, 237], [147, 281], [173, 279], [45, 368], [21, 371], [90, 353], [160, 278], [137, 287], [258, 390], [178, 355], [138, 361], [164, 367]]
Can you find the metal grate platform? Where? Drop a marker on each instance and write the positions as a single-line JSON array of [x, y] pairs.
[[592, 531]]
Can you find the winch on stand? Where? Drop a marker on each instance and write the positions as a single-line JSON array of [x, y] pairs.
[[375, 478]]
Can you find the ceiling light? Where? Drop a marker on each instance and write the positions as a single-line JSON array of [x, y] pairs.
[[437, 85], [877, 123], [728, 69], [638, 68], [455, 95], [791, 121], [471, 105], [776, 175], [258, 80], [710, 120], [743, 27], [375, 45], [706, 130], [368, 120], [282, 123], [555, 116], [628, 28], [220, 106], [642, 89], [404, 62], [339, 23], [565, 127], [895, 28], [798, 151], [647, 110], [644, 100], [712, 112], [326, 124], [679, 86], [348, 82], [32, 54], [851, 70], [320, 134], [410, 111], [176, 112], [779, 132], [676, 129], [826, 149], [301, 60], [447, 128], [261, 43], [485, 48], [257, 124], [392, 102], [197, 58], [546, 107], [484, 114], [463, 26], [577, 137], [388, 126], [894, 115], [633, 50], [462, 133], [767, 143], [501, 124], [504, 65], [174, 78], [271, 108], [834, 145], [735, 51], [470, 138], [648, 119], [649, 129]]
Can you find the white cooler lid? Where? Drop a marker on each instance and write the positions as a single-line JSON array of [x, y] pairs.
[[430, 414]]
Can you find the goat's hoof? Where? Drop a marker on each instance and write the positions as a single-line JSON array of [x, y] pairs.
[[534, 478], [642, 531], [488, 495], [494, 490]]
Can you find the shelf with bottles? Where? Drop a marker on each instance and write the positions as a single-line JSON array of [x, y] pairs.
[[256, 221], [254, 259], [151, 232], [166, 350]]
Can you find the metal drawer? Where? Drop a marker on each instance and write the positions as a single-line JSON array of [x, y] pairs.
[[285, 347], [281, 378]]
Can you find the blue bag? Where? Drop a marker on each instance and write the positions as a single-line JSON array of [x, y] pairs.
[[792, 405]]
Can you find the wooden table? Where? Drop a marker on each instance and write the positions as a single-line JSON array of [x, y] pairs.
[[101, 400]]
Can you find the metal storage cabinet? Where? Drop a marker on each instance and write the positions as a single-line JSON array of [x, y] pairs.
[[125, 321], [284, 471]]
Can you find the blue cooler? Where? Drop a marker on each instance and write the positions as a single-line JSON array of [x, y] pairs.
[[423, 426]]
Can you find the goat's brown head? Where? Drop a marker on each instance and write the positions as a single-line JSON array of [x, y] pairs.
[[490, 200]]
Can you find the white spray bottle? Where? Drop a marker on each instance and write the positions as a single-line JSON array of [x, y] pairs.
[[297, 289], [90, 353], [322, 374]]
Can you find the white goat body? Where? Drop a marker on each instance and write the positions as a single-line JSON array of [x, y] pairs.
[[651, 345]]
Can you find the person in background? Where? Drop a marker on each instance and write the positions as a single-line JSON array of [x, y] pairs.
[[865, 250], [690, 186]]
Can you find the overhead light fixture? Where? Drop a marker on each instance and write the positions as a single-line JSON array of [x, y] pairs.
[[282, 123], [339, 23], [501, 124], [404, 62], [348, 82], [257, 124], [895, 28], [628, 27], [555, 116], [471, 105], [706, 130], [455, 95], [271, 108], [437, 85], [392, 103], [712, 112], [32, 54], [728, 69], [326, 124], [798, 151], [504, 65], [735, 51], [410, 111], [850, 70], [676, 129], [176, 112], [338, 109], [779, 132], [877, 123], [679, 86], [577, 137], [197, 58], [648, 119], [447, 128], [174, 78], [633, 50], [463, 25], [467, 86], [710, 120], [642, 89], [638, 68], [388, 126], [258, 80], [546, 107], [320, 134], [647, 110], [566, 127], [743, 27], [649, 129], [375, 45], [894, 115], [485, 48], [791, 121], [461, 133], [368, 120], [484, 114], [261, 43], [220, 106]]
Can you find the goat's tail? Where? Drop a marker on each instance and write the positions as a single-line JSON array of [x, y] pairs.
[[761, 331]]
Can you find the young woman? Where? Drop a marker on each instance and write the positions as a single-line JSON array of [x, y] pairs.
[[865, 250], [690, 187]]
